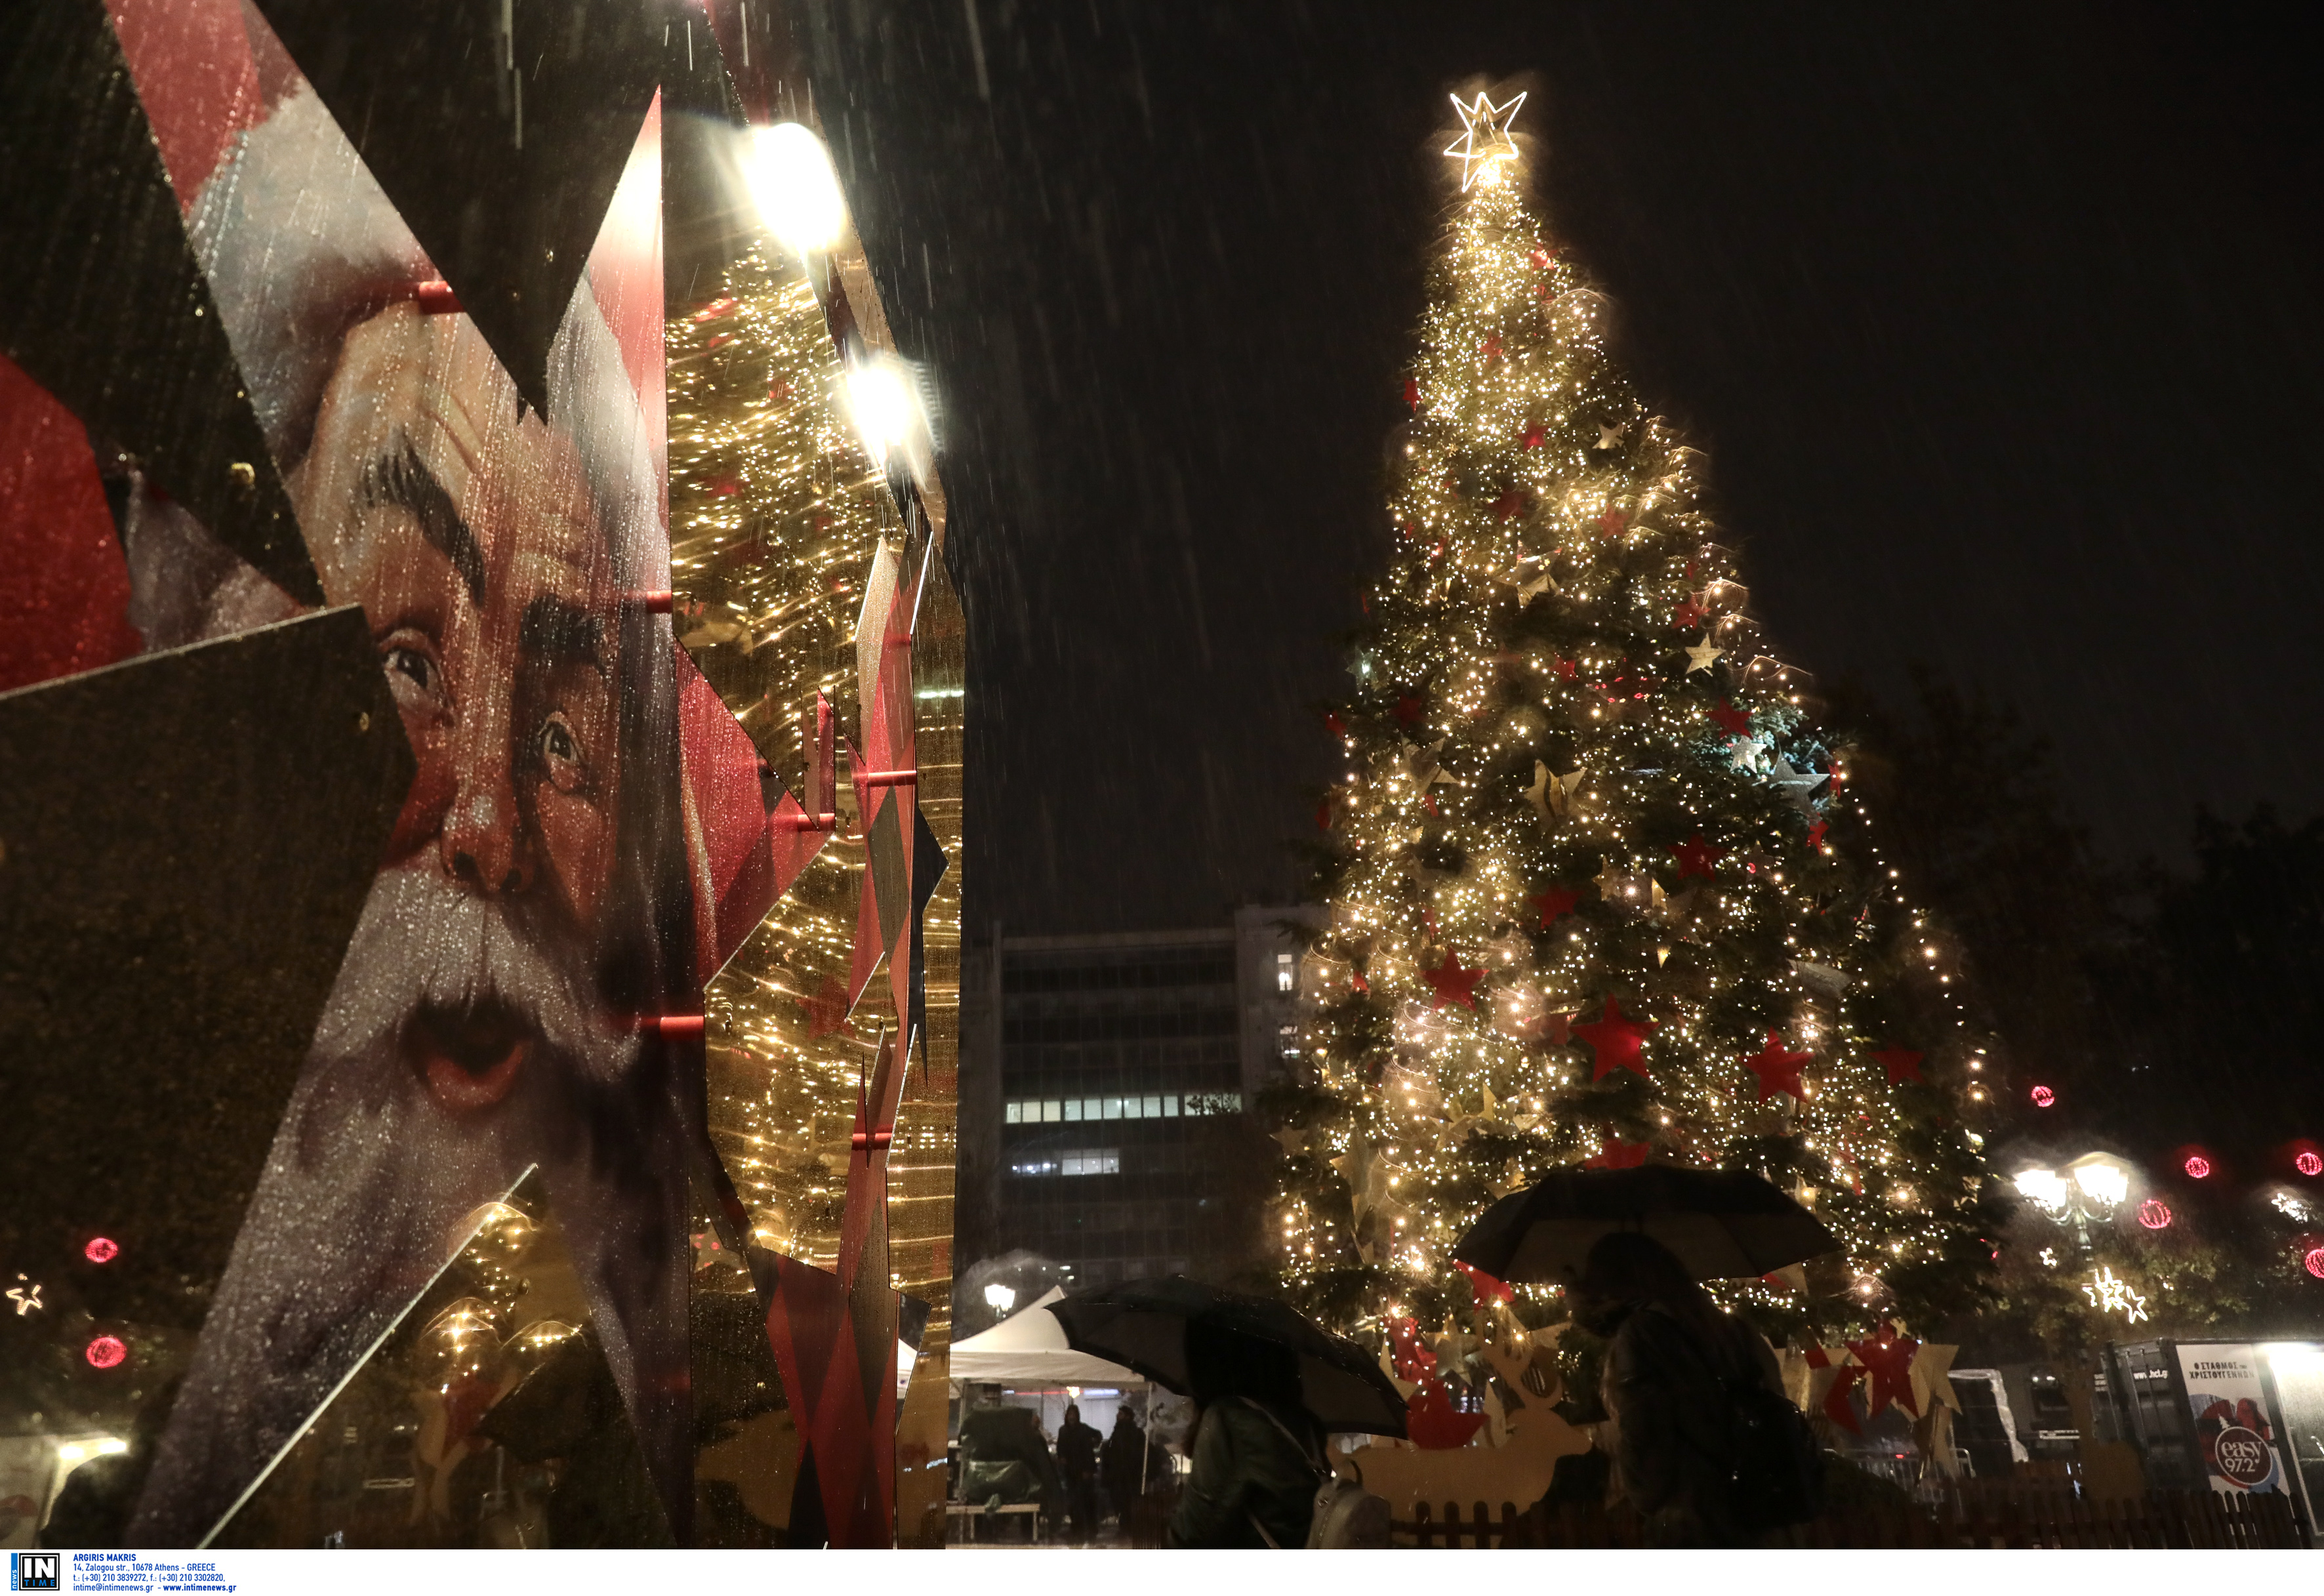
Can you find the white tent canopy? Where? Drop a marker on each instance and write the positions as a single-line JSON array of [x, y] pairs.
[[1028, 1348]]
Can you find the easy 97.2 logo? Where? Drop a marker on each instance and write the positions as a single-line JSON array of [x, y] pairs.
[[2243, 1457]]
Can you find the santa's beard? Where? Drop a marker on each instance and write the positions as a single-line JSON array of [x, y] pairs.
[[363, 1194]]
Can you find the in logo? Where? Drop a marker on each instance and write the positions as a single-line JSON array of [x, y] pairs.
[[35, 1570]]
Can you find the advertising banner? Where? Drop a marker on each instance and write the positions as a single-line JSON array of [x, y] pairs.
[[2232, 1428]]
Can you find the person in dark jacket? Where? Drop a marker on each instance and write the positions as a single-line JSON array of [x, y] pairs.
[[1130, 1465], [1257, 1454], [1077, 1445], [1674, 1359]]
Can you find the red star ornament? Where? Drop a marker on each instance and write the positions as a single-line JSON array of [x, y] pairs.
[[1695, 857], [1532, 437], [1618, 1154], [1816, 833], [1510, 505], [1408, 709], [1902, 1063], [1777, 1070], [1688, 614], [1491, 347], [1554, 903], [1412, 392], [1732, 720], [1614, 1042], [1836, 1405], [1888, 1356], [1611, 523], [1540, 259], [1453, 983]]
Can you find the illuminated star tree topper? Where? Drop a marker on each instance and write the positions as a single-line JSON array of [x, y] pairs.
[[1484, 142]]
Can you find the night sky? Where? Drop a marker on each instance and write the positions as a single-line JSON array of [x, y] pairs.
[[1999, 323]]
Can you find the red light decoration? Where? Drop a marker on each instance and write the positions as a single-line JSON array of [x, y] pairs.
[[2154, 1215], [107, 1351], [2315, 1261], [102, 1250], [2309, 1164], [2043, 1097], [2199, 1168]]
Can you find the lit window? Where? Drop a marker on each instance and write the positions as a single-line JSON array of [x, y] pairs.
[[1113, 1108], [1091, 1161], [1170, 1106], [1050, 1110], [1285, 980], [1072, 1108], [1016, 1114], [1091, 1109], [1153, 1108]]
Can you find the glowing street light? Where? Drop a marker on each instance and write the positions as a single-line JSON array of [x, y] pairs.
[[882, 402], [2090, 1187], [794, 187], [1000, 1299]]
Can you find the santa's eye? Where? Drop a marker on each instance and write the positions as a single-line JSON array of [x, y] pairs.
[[415, 676], [560, 753], [411, 663]]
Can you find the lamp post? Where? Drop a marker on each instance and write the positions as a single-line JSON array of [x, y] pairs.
[[2092, 1186]]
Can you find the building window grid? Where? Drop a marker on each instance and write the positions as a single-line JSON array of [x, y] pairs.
[[1073, 1110]]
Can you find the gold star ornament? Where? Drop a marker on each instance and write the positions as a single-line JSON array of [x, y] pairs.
[[1484, 142]]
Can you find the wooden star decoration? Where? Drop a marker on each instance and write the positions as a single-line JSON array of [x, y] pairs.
[[1778, 1070], [1607, 437], [1614, 1042], [1484, 142], [1703, 656]]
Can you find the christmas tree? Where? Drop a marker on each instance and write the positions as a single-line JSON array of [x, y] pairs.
[[1597, 891]]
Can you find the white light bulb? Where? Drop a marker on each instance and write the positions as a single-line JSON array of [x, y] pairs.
[[794, 187], [884, 406]]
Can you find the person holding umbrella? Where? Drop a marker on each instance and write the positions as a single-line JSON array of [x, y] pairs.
[[1269, 1385], [1670, 1373], [1257, 1456], [1705, 1444]]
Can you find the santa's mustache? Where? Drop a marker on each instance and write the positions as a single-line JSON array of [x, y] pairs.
[[369, 1178]]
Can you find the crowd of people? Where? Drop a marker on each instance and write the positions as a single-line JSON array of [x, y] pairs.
[[1683, 1434]]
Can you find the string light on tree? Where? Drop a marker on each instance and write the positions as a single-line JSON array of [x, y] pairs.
[[1592, 851]]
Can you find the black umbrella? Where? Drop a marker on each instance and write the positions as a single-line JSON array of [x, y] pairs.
[[1142, 1323], [1722, 1223]]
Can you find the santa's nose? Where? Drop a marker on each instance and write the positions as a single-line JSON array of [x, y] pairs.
[[484, 846]]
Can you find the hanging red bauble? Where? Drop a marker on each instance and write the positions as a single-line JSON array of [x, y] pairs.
[[2042, 1096], [2309, 1164], [105, 1352], [2154, 1215], [2197, 1166], [2315, 1262], [1540, 259], [1614, 1041], [101, 1249]]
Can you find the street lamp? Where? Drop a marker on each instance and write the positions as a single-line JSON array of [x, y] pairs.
[[2090, 1187], [1000, 1299]]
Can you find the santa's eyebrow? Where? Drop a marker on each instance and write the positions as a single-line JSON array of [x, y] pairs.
[[561, 632], [400, 477]]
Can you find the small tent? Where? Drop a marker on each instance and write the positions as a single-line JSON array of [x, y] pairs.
[[1028, 1348]]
